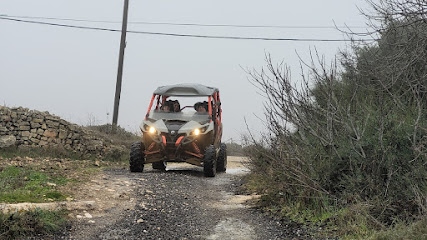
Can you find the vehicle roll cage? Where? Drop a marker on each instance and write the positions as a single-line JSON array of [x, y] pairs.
[[214, 106]]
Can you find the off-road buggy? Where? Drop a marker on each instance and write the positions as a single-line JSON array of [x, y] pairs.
[[190, 133]]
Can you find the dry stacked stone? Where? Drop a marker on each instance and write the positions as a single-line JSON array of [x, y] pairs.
[[35, 128]]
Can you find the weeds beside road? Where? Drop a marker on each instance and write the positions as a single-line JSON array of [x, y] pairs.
[[41, 180]]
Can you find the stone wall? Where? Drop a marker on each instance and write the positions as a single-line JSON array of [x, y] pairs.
[[35, 128]]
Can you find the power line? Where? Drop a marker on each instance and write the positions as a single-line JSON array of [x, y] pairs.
[[188, 24], [62, 19], [189, 35]]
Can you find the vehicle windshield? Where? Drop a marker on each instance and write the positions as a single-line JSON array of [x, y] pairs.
[[201, 117]]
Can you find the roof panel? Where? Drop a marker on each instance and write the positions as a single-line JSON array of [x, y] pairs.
[[186, 89]]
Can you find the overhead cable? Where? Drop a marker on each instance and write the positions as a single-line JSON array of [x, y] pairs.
[[187, 24], [189, 35]]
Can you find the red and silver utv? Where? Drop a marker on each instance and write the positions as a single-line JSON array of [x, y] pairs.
[[182, 124]]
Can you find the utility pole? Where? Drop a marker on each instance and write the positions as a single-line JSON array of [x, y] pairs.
[[120, 68]]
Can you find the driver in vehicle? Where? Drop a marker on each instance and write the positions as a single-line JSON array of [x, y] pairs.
[[167, 106]]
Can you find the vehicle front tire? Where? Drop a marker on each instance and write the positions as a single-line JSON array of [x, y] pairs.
[[159, 165], [137, 157], [222, 158], [209, 162]]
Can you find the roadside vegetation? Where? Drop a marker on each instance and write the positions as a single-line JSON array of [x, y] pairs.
[[48, 174], [120, 137], [234, 149], [32, 223], [346, 147], [18, 184]]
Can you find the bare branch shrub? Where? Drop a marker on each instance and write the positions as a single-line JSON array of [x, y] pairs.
[[355, 135]]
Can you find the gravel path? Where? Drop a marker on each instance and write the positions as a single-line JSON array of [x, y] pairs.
[[177, 204]]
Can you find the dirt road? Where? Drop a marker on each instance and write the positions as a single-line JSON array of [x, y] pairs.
[[177, 204]]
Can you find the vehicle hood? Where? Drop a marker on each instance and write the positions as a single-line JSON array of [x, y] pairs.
[[180, 127]]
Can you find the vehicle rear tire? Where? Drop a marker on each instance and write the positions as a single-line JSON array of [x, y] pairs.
[[159, 166], [222, 158], [209, 162], [137, 157]]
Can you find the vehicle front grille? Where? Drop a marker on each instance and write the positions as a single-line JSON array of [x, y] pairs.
[[171, 139]]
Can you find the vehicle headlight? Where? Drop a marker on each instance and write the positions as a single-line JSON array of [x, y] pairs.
[[196, 131], [151, 130]]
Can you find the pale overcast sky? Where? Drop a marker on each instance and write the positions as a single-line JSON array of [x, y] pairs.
[[72, 72]]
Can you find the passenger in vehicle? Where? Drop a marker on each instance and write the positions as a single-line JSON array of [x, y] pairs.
[[199, 107], [176, 106]]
